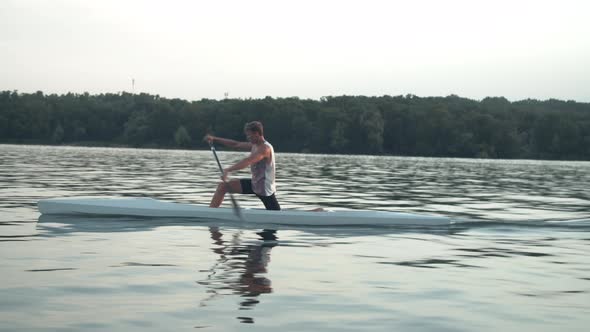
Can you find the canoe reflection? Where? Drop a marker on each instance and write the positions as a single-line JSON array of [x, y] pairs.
[[240, 267]]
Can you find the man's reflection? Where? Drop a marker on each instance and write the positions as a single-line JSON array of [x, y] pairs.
[[248, 261]]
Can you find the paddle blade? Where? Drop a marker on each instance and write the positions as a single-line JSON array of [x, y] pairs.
[[236, 207]]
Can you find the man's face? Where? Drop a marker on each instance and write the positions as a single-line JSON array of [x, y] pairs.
[[252, 136]]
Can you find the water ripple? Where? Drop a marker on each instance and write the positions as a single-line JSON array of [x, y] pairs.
[[176, 274]]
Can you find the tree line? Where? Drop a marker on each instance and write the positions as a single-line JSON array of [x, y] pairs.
[[406, 125]]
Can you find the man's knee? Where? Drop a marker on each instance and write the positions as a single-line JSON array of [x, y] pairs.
[[232, 187], [222, 187]]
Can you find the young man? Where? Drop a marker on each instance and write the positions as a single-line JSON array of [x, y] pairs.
[[262, 165]]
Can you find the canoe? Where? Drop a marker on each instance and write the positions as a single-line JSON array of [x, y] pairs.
[[148, 207]]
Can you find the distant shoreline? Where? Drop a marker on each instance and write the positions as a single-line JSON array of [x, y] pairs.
[[444, 127]]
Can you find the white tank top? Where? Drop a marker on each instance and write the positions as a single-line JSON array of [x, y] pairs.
[[263, 174]]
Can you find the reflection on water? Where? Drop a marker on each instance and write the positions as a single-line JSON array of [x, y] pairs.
[[240, 268], [376, 270], [511, 272]]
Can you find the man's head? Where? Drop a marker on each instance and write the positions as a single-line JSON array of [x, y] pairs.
[[254, 131]]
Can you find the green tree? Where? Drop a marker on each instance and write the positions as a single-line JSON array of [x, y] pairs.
[[371, 124], [137, 129], [338, 140], [182, 138], [58, 134]]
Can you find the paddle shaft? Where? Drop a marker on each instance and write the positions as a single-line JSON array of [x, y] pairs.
[[235, 204]]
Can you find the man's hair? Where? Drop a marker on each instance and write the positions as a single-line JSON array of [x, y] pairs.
[[254, 126]]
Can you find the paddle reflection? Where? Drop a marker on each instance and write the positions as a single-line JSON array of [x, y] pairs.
[[240, 268]]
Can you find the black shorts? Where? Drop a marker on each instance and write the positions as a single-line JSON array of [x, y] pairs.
[[270, 202]]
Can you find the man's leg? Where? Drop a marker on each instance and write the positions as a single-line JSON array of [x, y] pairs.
[[270, 202], [232, 186]]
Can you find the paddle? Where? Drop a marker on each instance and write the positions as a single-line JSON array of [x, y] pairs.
[[234, 202]]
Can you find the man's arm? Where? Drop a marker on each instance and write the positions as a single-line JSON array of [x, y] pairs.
[[251, 159], [229, 142]]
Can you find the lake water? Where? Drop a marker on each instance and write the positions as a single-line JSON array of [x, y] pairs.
[[516, 260]]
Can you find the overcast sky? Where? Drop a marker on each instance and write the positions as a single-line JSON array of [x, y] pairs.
[[202, 49]]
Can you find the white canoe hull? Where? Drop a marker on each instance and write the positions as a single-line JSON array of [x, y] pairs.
[[147, 207]]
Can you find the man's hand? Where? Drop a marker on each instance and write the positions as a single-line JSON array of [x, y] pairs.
[[208, 138], [225, 174]]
